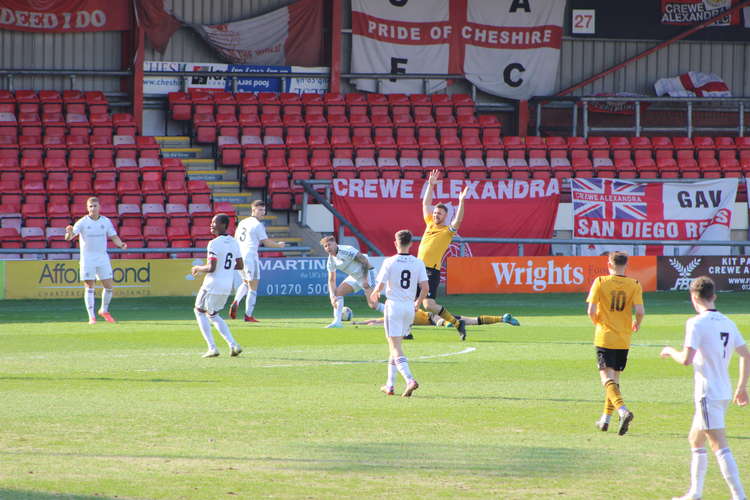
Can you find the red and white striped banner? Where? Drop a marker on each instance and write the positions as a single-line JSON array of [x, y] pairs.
[[509, 48], [292, 35]]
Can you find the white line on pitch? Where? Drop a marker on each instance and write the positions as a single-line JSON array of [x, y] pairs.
[[319, 363]]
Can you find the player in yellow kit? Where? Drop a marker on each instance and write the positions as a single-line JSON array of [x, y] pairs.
[[613, 299], [435, 241], [426, 318]]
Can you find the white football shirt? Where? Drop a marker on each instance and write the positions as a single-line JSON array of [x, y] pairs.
[[93, 235], [249, 233], [344, 261], [401, 274], [225, 250], [714, 337]]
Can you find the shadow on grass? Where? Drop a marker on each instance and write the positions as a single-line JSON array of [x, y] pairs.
[[6, 494], [109, 379], [500, 461]]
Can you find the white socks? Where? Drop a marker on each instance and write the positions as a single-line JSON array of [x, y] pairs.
[[252, 296], [240, 293], [380, 307], [221, 325], [402, 365], [730, 472], [698, 467], [89, 299], [106, 299], [339, 301], [205, 328], [391, 380]]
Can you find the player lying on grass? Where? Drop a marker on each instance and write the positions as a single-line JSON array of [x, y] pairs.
[[425, 318]]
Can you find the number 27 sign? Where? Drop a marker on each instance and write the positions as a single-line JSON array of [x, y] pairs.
[[583, 21]]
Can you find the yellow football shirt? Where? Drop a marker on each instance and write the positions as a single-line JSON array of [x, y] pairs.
[[614, 297], [435, 241], [422, 318]]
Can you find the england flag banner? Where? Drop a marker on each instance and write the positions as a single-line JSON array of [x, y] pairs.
[[509, 48], [612, 209]]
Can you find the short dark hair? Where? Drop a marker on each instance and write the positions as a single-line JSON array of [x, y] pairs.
[[618, 258], [258, 203], [222, 219], [403, 237], [326, 239], [442, 206], [704, 287]]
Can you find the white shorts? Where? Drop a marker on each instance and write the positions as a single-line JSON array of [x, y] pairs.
[[356, 284], [709, 414], [97, 267], [398, 318], [250, 268], [210, 302]]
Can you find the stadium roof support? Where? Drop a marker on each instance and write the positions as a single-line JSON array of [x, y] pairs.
[[656, 48]]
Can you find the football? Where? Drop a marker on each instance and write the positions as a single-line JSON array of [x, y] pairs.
[[346, 313]]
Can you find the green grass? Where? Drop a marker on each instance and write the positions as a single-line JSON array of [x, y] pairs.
[[132, 411]]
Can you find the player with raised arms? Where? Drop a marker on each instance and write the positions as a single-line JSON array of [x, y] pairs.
[[349, 260], [435, 241], [93, 230], [251, 234], [710, 340], [223, 257], [399, 276]]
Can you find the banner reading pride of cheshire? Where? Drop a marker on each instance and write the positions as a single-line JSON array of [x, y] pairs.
[[509, 48], [493, 209]]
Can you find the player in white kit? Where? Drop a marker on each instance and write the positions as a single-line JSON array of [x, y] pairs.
[[250, 234], [93, 230], [349, 260], [222, 260], [399, 276], [710, 340]]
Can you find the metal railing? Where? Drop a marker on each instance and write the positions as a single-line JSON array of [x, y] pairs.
[[736, 105], [168, 250], [71, 74], [309, 187], [576, 243]]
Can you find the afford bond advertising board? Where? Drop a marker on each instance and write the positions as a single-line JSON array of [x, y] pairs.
[[538, 274]]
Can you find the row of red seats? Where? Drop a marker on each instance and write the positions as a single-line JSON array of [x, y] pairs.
[[10, 238], [90, 98], [32, 123], [184, 105], [231, 150], [57, 139], [260, 171], [104, 182], [59, 213], [81, 161], [125, 193]]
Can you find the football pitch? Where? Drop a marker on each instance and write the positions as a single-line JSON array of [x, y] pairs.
[[131, 410]]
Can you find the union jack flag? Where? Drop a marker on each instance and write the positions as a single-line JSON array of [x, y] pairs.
[[608, 199]]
